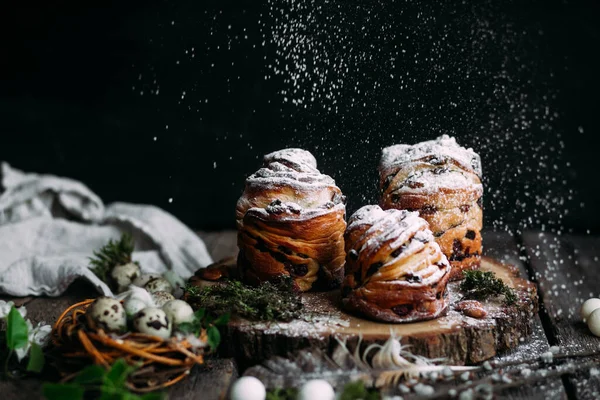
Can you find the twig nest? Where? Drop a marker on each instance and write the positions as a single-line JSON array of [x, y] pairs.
[[588, 307], [178, 311], [134, 305], [316, 389], [161, 298], [248, 388], [152, 321], [144, 278], [593, 322], [124, 275], [158, 285], [107, 314]]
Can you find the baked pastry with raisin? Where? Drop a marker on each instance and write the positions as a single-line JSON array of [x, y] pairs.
[[442, 181], [395, 271], [291, 221]]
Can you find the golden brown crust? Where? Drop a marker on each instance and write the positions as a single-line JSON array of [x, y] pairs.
[[442, 181], [291, 221], [395, 272]]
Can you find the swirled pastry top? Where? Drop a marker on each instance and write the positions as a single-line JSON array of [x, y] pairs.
[[290, 185], [391, 240], [431, 165]]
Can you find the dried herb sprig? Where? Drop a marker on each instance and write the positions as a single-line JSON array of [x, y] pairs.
[[267, 302], [481, 285], [112, 254]]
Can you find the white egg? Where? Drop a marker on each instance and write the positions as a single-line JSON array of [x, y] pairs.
[[152, 321], [589, 306], [248, 388], [134, 305], [158, 285], [593, 322], [108, 314], [124, 275], [316, 389], [161, 298], [178, 311], [144, 278]]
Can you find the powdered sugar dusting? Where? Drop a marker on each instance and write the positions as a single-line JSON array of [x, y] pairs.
[[440, 148]]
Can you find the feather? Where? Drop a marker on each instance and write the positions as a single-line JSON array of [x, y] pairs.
[[390, 363]]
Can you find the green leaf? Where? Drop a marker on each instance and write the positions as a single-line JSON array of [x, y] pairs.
[[117, 375], [93, 374], [36, 358], [16, 330], [200, 314], [61, 391], [187, 327], [214, 337], [222, 320]]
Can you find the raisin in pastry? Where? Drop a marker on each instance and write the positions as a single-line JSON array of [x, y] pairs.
[[395, 271], [291, 221], [442, 181]]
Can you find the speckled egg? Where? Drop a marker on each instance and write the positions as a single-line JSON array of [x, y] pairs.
[[158, 285], [178, 311], [107, 314], [144, 278], [161, 298], [152, 321], [124, 275]]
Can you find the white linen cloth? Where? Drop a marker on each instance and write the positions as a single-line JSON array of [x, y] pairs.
[[50, 227]]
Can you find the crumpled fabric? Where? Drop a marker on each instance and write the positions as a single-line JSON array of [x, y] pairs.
[[50, 226]]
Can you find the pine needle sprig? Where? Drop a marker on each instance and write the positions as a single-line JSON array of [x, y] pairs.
[[481, 285], [115, 252]]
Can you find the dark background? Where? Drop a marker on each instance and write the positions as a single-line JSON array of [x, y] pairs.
[[157, 100]]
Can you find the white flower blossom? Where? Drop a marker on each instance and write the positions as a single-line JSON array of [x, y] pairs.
[[5, 307], [39, 335]]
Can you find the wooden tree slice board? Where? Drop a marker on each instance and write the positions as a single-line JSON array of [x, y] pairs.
[[457, 338]]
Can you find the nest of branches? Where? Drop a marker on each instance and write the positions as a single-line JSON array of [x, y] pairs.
[[161, 363]]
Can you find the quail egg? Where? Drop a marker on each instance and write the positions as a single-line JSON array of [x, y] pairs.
[[108, 314], [124, 275], [158, 285], [144, 278], [133, 305], [248, 388], [160, 298], [152, 321], [178, 311]]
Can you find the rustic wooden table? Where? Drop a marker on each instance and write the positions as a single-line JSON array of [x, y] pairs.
[[566, 269]]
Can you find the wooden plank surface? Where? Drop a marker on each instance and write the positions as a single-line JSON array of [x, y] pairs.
[[212, 381], [567, 270], [504, 247]]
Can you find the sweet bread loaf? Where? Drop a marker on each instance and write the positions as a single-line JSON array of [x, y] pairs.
[[291, 221], [395, 271], [442, 181]]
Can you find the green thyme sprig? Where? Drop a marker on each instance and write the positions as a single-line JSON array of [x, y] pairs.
[[203, 320], [115, 252], [481, 285], [267, 302]]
